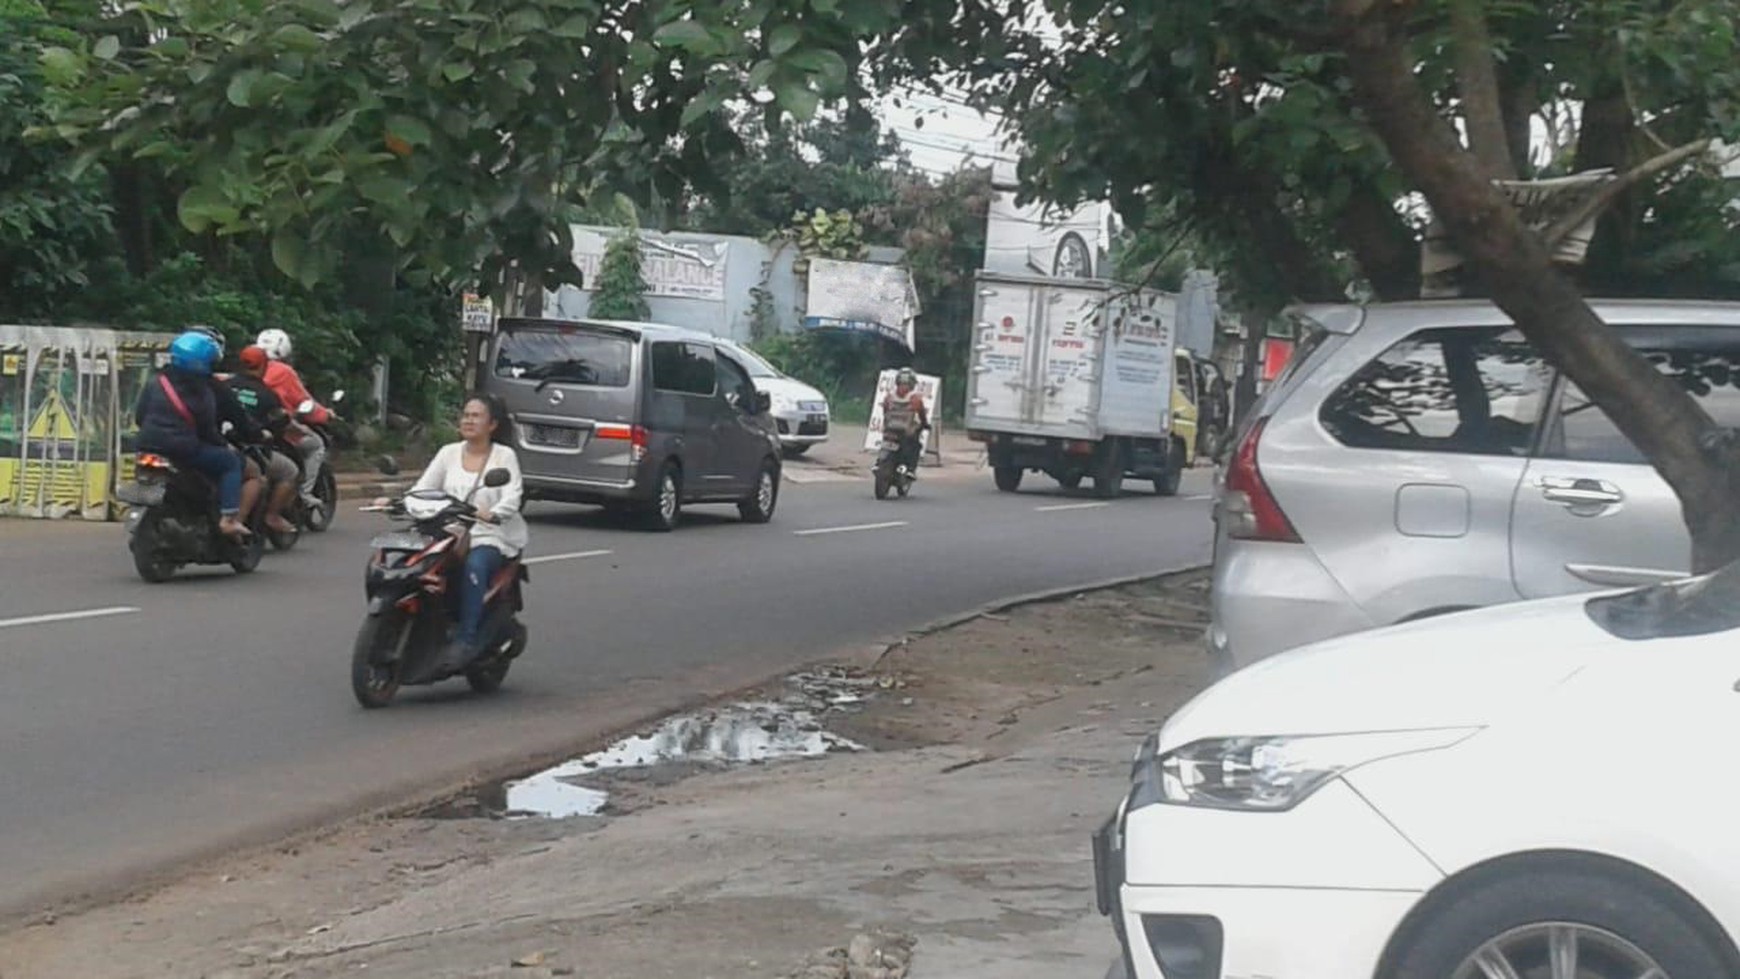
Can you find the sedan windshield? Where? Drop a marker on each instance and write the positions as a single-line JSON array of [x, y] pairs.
[[1695, 606]]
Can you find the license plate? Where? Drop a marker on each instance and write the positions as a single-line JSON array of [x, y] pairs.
[[554, 436], [1027, 440], [140, 494]]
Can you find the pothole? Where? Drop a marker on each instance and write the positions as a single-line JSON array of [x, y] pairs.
[[789, 725]]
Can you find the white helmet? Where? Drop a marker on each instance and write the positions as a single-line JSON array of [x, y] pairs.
[[276, 343]]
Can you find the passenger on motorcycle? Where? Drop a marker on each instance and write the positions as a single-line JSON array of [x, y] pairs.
[[283, 379], [177, 419], [904, 416], [500, 533], [243, 430], [265, 410]]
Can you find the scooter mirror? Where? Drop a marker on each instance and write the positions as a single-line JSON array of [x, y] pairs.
[[306, 407], [387, 465], [497, 477]]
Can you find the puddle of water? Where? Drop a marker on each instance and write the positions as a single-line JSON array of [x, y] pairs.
[[745, 733]]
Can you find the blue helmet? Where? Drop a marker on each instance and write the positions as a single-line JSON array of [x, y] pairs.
[[195, 353]]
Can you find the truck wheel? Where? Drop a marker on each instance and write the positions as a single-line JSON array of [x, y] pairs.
[[1167, 484], [1008, 478], [1109, 474]]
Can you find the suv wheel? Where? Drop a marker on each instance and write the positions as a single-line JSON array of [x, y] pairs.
[[763, 497], [667, 505]]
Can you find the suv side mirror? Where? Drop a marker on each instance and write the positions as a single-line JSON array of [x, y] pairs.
[[762, 402], [497, 478]]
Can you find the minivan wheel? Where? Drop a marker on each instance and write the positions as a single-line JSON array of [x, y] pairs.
[[667, 505], [1539, 924], [758, 506]]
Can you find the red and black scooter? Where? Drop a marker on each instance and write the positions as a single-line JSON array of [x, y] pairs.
[[411, 612]]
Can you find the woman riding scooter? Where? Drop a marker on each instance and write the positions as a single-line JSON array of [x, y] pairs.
[[500, 532]]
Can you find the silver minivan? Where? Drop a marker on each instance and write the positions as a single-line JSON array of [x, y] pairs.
[[636, 417], [1420, 458]]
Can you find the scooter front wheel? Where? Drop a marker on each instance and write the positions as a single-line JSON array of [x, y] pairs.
[[378, 658], [488, 679]]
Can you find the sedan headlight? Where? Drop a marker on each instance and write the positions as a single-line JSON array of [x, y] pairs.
[[1268, 774]]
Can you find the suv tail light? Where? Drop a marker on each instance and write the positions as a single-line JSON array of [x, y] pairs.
[[1250, 509], [634, 435]]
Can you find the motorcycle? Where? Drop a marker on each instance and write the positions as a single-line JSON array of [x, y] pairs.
[[897, 464], [313, 519], [411, 613], [174, 522]]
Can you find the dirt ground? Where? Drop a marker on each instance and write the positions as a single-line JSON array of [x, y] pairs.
[[954, 845]]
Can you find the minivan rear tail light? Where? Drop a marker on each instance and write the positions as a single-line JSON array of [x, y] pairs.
[[1250, 510], [635, 435]]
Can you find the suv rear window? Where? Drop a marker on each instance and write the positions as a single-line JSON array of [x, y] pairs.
[[565, 356], [1476, 391]]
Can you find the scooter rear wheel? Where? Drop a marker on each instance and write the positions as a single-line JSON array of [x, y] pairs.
[[147, 559], [378, 658]]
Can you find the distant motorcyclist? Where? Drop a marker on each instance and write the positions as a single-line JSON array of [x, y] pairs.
[[904, 416], [178, 419], [283, 379], [266, 411]]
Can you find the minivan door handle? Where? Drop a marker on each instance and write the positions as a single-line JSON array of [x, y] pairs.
[[1580, 491]]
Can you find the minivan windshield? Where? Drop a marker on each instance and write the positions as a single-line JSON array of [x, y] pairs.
[[1695, 606], [565, 356]]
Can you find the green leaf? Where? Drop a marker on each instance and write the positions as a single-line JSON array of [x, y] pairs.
[[519, 73], [457, 71], [413, 131], [575, 27], [289, 253], [61, 65], [324, 12], [171, 47], [107, 47], [762, 73], [700, 107], [783, 38], [798, 99], [201, 206], [298, 38], [825, 6], [686, 34], [241, 88], [828, 65]]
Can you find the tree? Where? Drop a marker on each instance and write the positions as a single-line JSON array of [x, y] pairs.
[[1287, 135], [468, 134], [620, 292]]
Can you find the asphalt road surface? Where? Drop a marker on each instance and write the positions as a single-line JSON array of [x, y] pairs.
[[146, 725]]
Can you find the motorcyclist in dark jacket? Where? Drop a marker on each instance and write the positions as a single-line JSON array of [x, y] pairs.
[[178, 419]]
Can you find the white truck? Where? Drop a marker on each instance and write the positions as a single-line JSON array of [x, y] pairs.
[[1074, 378]]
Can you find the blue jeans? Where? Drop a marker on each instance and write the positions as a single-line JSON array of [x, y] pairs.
[[222, 466], [481, 566]]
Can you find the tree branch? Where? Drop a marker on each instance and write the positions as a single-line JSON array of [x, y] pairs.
[[1477, 80], [1607, 193]]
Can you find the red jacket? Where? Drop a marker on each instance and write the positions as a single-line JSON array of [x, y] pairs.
[[287, 385]]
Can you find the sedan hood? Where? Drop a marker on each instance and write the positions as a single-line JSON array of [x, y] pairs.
[[1462, 670], [789, 388]]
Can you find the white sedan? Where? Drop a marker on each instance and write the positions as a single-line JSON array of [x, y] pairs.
[[799, 410], [1533, 791]]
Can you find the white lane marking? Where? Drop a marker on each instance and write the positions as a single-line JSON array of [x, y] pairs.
[[1069, 506], [802, 478], [1199, 496], [574, 556], [847, 530], [91, 613]]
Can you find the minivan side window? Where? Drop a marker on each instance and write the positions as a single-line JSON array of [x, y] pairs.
[[1477, 391], [683, 368], [1583, 432], [734, 384]]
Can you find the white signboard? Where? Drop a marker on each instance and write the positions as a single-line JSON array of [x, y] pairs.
[[864, 297], [929, 389], [478, 315], [672, 269]]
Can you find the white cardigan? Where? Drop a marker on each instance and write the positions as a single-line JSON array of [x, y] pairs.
[[447, 473]]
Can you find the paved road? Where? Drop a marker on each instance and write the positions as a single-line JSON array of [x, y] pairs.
[[214, 711]]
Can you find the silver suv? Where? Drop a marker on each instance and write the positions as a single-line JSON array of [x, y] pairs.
[[1421, 458]]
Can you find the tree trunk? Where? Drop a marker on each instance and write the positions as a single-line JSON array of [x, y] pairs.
[[1665, 424], [1477, 79], [1383, 244]]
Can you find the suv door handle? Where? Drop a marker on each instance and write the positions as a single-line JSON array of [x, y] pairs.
[[1580, 491]]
